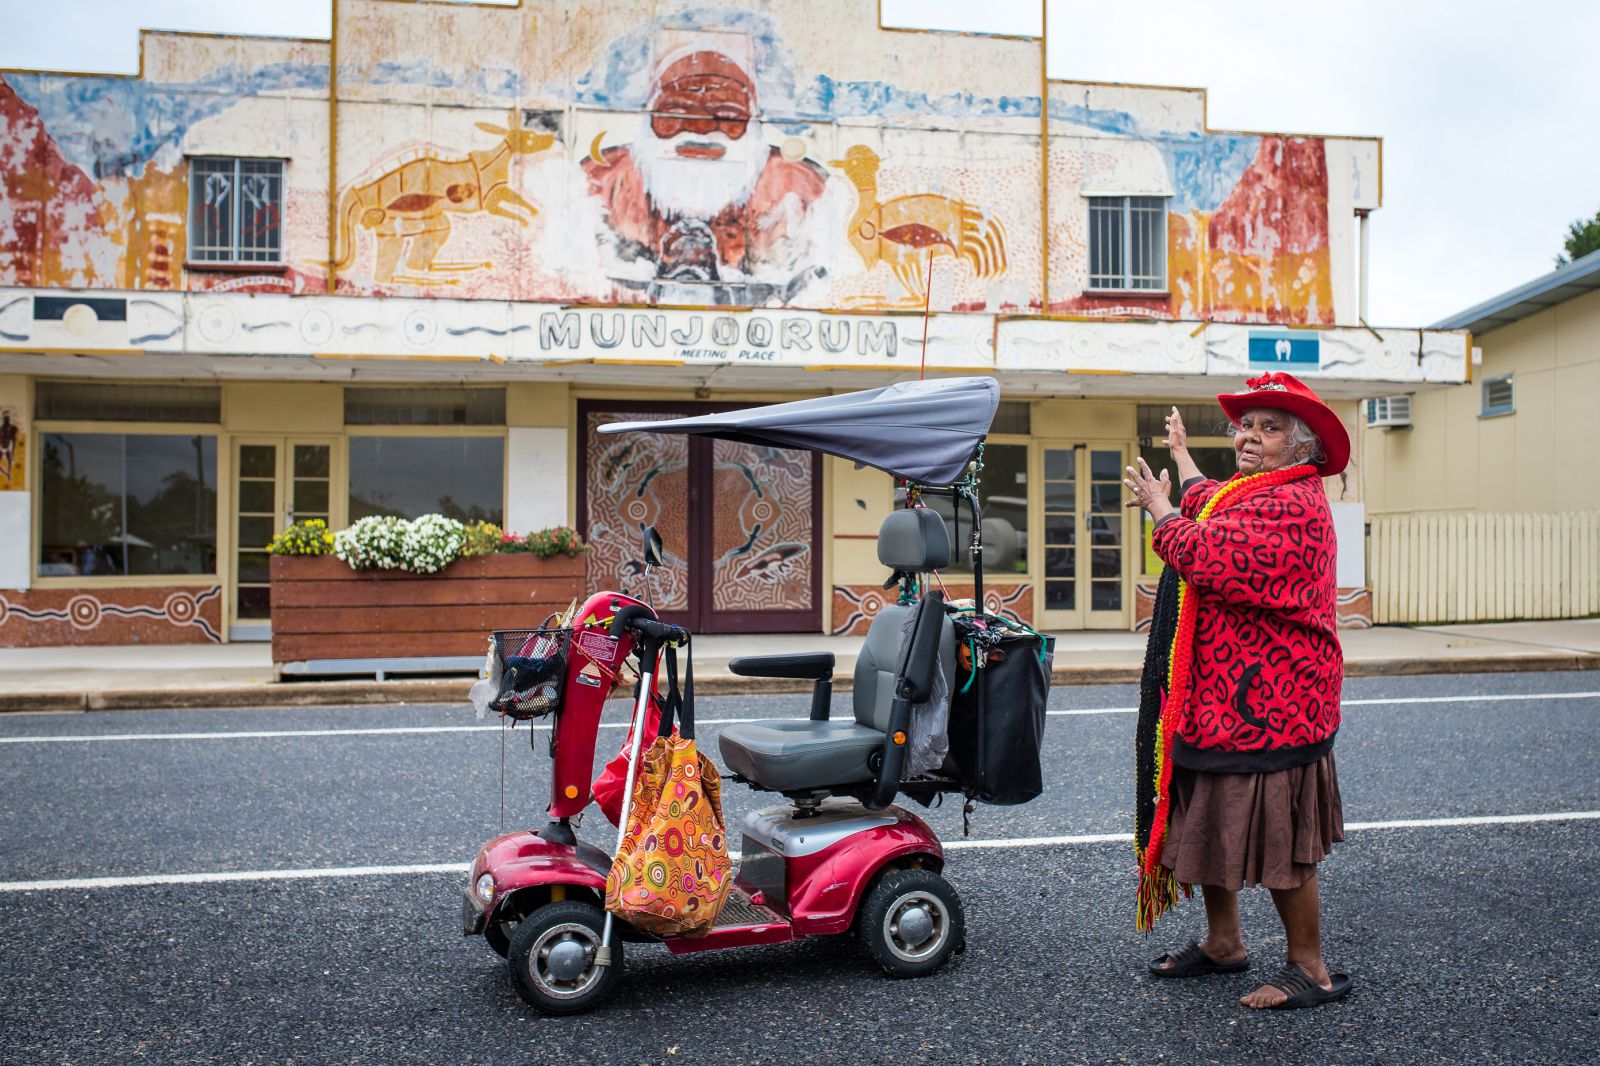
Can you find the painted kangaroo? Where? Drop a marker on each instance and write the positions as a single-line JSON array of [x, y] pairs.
[[408, 207]]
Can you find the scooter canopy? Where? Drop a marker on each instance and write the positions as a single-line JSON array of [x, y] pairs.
[[923, 431]]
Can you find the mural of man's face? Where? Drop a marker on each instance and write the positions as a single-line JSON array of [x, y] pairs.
[[701, 104], [701, 152], [702, 93]]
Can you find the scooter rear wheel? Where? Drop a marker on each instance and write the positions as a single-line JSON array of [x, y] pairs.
[[553, 958], [910, 922]]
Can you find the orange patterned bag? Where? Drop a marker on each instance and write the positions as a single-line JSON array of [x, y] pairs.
[[672, 873]]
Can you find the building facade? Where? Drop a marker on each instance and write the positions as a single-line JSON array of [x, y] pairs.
[[1478, 479], [412, 268]]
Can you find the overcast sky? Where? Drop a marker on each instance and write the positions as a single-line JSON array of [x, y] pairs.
[[1487, 109]]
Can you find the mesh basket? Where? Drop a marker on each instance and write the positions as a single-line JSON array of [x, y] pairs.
[[533, 671]]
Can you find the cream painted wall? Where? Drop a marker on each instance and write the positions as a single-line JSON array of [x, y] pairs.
[[282, 407], [1452, 459], [860, 500], [537, 474], [1084, 420]]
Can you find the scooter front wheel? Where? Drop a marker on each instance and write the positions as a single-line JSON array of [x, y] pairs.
[[498, 937], [910, 922], [553, 958]]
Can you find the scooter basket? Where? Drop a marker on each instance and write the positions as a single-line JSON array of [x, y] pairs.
[[533, 671]]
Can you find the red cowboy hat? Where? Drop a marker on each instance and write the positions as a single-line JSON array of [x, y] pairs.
[[1288, 393]]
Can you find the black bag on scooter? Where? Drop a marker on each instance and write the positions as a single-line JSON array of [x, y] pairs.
[[995, 737]]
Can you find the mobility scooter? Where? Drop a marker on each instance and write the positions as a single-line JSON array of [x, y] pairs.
[[836, 856]]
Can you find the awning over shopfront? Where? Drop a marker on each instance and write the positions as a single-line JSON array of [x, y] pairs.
[[924, 431], [227, 335]]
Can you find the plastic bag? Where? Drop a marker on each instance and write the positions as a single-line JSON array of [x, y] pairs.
[[487, 687], [928, 740]]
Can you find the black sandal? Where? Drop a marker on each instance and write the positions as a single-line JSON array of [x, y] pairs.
[[1302, 991], [1193, 961]]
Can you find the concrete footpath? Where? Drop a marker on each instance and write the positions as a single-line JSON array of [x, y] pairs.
[[241, 675]]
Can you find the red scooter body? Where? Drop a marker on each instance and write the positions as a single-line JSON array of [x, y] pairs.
[[593, 664], [804, 870]]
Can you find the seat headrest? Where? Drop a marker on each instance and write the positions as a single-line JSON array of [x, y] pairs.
[[914, 540]]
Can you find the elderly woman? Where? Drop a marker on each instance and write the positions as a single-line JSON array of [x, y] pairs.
[[1241, 701]]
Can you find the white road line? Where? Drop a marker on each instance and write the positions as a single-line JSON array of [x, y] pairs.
[[999, 844], [1350, 827], [261, 734]]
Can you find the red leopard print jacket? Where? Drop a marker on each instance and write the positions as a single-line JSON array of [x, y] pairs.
[[1267, 664]]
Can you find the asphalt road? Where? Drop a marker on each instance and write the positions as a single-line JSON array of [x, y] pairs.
[[1469, 942]]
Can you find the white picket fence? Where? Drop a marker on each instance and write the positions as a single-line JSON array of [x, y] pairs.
[[1483, 567]]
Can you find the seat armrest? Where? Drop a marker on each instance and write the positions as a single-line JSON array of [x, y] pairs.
[[802, 666]]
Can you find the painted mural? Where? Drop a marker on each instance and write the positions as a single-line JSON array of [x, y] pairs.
[[637, 480], [774, 155], [761, 528], [49, 617]]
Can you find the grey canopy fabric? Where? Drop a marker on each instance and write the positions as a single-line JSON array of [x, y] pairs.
[[924, 431]]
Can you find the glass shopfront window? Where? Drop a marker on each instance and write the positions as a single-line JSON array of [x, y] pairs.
[[460, 477], [121, 504]]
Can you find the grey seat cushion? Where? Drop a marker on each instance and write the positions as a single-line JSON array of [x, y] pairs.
[[790, 755]]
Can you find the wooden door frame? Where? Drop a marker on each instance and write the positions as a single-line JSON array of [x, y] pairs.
[[338, 499], [699, 518], [1083, 616]]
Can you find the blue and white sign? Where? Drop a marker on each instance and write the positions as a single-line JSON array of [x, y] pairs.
[[1285, 348]]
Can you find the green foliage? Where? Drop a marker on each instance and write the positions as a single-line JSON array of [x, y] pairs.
[[558, 540], [1583, 237], [310, 537]]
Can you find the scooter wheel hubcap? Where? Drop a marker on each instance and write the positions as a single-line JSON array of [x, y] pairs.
[[916, 926], [561, 961]]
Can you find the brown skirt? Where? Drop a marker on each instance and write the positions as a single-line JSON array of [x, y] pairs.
[[1233, 830]]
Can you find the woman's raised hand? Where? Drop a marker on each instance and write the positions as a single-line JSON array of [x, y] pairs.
[[1177, 443], [1150, 491], [1177, 436]]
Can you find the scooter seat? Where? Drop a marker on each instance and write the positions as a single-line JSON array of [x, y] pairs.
[[793, 755]]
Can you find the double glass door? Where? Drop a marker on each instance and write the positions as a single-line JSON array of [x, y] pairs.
[[1086, 536], [277, 481]]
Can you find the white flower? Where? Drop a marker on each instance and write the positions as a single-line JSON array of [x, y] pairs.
[[432, 543], [384, 542]]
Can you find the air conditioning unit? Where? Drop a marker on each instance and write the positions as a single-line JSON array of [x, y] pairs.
[[1389, 412]]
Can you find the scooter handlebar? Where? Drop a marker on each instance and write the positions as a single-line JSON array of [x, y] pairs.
[[637, 620]]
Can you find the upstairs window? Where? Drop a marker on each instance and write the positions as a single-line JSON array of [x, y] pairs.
[[235, 211], [1498, 397], [1128, 243]]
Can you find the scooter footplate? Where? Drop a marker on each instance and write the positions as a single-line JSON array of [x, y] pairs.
[[738, 910]]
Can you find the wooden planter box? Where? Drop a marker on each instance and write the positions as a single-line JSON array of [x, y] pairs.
[[322, 609]]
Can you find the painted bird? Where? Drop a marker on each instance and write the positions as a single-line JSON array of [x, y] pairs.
[[907, 231]]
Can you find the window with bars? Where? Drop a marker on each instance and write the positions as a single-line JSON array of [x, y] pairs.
[[1128, 242], [235, 210], [434, 406], [1498, 397], [97, 401], [1200, 419]]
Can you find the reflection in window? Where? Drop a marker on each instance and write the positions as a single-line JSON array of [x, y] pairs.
[[1003, 499], [119, 504], [460, 477]]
